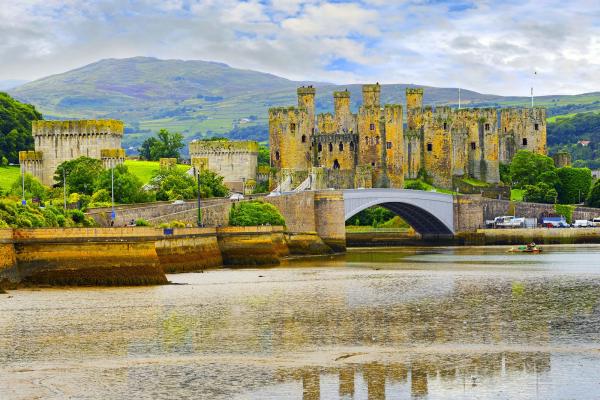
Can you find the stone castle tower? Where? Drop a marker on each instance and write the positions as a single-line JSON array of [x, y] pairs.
[[59, 141], [374, 148]]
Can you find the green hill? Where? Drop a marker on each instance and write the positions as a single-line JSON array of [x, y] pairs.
[[200, 98]]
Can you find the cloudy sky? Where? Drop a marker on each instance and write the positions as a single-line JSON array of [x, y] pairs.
[[488, 46]]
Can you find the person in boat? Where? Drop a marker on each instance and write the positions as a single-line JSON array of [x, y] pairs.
[[531, 246]]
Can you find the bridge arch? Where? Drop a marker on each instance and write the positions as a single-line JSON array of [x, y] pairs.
[[429, 213]]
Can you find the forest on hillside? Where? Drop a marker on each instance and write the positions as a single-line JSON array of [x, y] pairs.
[[15, 127], [564, 134]]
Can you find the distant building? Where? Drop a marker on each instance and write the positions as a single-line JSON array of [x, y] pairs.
[[58, 141], [584, 143], [235, 161]]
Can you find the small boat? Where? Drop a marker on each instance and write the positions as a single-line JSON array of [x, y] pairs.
[[525, 249]]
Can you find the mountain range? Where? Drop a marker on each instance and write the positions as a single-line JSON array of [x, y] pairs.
[[203, 98]]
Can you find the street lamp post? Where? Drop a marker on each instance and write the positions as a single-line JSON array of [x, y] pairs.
[[112, 194], [64, 189], [197, 175]]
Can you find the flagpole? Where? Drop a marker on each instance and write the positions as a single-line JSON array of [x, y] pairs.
[[459, 98]]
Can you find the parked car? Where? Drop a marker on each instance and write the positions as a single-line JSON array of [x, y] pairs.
[[582, 223], [176, 202], [236, 196], [555, 222], [506, 221], [596, 221]]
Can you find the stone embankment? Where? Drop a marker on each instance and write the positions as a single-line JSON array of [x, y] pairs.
[[537, 235], [140, 255]]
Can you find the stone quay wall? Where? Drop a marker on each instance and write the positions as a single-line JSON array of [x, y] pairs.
[[537, 235], [140, 255]]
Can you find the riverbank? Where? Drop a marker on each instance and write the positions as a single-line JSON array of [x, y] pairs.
[[140, 255], [537, 235]]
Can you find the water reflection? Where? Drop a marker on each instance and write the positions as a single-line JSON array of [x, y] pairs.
[[427, 323], [413, 377]]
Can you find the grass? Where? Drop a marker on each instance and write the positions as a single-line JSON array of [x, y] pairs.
[[8, 175], [516, 194], [146, 169], [475, 182], [431, 188]]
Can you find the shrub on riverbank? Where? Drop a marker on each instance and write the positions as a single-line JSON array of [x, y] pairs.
[[15, 215], [253, 213]]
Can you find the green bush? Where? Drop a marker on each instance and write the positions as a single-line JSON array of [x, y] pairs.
[[565, 210], [101, 196], [77, 216], [415, 185], [574, 184], [252, 213], [540, 193], [141, 222]]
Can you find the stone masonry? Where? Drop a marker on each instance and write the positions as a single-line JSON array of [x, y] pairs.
[[375, 148], [59, 141]]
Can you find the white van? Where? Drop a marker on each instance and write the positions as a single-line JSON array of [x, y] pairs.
[[596, 221]]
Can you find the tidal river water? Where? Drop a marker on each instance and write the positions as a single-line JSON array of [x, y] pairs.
[[426, 323]]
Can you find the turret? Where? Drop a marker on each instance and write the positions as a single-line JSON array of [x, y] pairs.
[[341, 103], [371, 95], [306, 99], [414, 108]]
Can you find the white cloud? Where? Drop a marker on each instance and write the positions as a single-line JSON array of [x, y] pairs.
[[487, 46]]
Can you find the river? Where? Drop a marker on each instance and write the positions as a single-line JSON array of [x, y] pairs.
[[426, 323]]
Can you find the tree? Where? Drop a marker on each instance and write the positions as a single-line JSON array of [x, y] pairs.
[[211, 185], [127, 187], [574, 184], [526, 167], [264, 156], [594, 197], [540, 193], [173, 184], [80, 174], [146, 148], [15, 127], [164, 145], [252, 213], [33, 188]]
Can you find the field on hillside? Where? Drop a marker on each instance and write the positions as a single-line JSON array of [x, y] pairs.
[[8, 175], [145, 169]]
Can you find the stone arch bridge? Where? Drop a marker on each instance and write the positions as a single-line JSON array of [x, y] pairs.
[[433, 215]]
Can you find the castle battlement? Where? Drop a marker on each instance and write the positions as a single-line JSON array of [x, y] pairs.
[[199, 147], [344, 94], [77, 127]]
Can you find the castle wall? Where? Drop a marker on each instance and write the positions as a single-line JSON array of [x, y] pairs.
[[437, 156], [522, 129], [59, 141], [235, 161], [394, 145], [444, 143]]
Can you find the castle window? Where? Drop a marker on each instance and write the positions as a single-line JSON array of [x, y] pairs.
[[429, 146], [292, 127], [388, 145], [330, 147], [487, 127], [319, 148], [445, 126], [372, 164], [341, 146], [277, 155], [504, 129], [536, 127], [473, 145], [336, 164], [367, 140], [377, 140], [303, 138], [524, 141], [351, 146], [372, 127]]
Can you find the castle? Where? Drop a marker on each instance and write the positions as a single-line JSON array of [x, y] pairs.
[[235, 161], [376, 148], [59, 141]]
